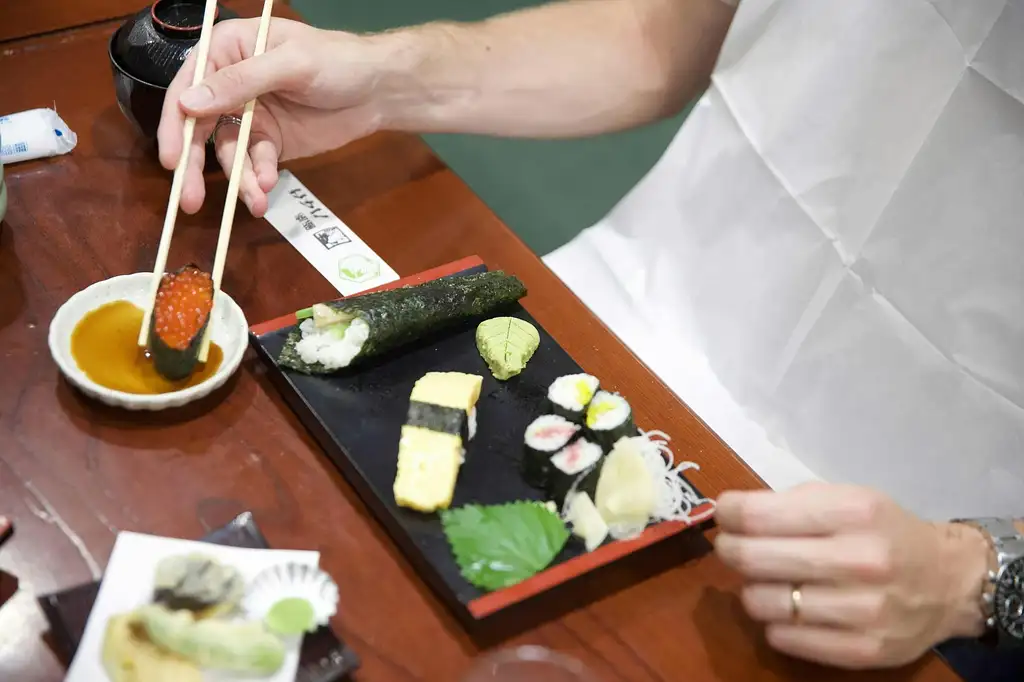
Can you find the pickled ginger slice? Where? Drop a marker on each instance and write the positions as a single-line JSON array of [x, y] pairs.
[[625, 496], [585, 520]]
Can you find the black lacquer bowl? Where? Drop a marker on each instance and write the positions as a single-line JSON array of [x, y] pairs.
[[147, 51]]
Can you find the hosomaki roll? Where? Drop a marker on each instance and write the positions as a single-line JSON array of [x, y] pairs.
[[544, 437], [579, 460], [609, 418], [569, 396]]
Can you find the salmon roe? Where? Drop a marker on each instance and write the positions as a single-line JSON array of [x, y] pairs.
[[183, 304]]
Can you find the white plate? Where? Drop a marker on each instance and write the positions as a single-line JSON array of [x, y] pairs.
[[230, 332], [128, 584]]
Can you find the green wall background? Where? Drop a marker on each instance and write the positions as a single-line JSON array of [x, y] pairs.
[[545, 190]]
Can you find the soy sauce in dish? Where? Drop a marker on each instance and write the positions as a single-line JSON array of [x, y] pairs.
[[104, 344]]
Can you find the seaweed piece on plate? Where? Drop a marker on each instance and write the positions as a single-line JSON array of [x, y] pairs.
[[197, 583], [333, 336], [243, 647], [181, 314], [501, 545], [506, 344]]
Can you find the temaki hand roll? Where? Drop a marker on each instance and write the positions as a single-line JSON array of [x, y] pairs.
[[333, 336], [180, 315]]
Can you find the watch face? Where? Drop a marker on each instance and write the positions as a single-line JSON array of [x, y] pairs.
[[1009, 599]]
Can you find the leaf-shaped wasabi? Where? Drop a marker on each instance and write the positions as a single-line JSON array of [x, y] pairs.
[[506, 344], [498, 546]]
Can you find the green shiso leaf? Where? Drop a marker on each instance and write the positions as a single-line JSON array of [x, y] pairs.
[[498, 546]]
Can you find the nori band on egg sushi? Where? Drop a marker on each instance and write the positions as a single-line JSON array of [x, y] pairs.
[[393, 318], [438, 418], [544, 437], [180, 316], [569, 395], [609, 418], [581, 458]]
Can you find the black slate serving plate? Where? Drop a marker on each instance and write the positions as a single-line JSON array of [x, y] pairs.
[[356, 415]]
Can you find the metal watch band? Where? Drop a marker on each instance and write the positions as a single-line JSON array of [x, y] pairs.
[[1007, 544], [1006, 539]]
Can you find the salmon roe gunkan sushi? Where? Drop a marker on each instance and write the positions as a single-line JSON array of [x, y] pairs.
[[180, 315], [183, 304]]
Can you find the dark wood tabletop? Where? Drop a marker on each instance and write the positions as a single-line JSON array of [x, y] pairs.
[[73, 472]]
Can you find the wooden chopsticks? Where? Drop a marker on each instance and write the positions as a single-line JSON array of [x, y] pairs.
[[235, 178], [179, 175], [241, 151]]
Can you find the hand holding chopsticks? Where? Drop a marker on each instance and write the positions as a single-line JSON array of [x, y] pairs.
[[231, 200]]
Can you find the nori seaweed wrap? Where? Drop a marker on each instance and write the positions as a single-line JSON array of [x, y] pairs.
[[581, 459], [609, 418], [180, 316], [338, 334], [544, 437]]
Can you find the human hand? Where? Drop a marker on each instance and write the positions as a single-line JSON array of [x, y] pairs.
[[313, 90], [878, 586]]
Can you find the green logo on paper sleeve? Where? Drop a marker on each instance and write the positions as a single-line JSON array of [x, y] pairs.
[[358, 268]]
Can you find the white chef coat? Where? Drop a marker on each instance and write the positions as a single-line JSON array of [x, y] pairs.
[[826, 264]]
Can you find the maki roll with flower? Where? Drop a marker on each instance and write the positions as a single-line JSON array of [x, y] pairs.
[[180, 316]]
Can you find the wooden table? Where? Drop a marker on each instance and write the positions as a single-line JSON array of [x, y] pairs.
[[73, 473]]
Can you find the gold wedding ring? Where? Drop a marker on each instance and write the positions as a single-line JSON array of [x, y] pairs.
[[796, 598]]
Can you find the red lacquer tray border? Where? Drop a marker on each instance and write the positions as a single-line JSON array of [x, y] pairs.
[[493, 602]]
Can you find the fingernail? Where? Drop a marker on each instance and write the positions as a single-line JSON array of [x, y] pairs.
[[197, 97]]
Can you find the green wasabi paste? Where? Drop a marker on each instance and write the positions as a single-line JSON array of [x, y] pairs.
[[506, 344]]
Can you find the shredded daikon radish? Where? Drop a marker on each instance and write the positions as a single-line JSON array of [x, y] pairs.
[[676, 499]]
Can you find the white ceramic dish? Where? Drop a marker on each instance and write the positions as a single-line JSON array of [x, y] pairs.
[[230, 332]]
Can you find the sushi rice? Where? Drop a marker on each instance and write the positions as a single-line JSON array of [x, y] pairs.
[[545, 436], [570, 394], [577, 457], [549, 433], [578, 460], [335, 346], [609, 418]]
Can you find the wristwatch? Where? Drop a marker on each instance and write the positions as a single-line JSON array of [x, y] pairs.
[[1002, 599]]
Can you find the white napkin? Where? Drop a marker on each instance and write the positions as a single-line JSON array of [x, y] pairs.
[[34, 134], [838, 231]]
